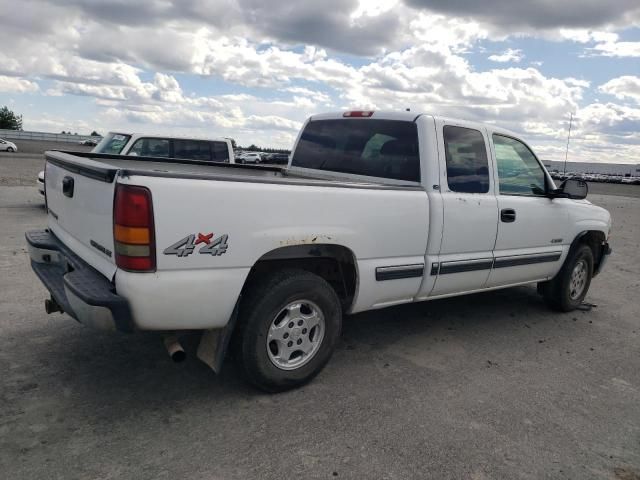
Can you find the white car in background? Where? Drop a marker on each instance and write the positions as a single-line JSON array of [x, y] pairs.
[[214, 150], [250, 157], [218, 150], [7, 146], [41, 183]]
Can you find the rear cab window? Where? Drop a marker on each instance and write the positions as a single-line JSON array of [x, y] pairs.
[[466, 157], [371, 147]]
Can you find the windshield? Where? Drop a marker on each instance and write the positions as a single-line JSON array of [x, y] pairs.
[[112, 144], [375, 148]]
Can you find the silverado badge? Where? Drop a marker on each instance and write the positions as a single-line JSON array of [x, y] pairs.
[[209, 245]]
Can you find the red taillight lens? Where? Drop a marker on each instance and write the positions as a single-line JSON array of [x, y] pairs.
[[133, 229], [133, 206]]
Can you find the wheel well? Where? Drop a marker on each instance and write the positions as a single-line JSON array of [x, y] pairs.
[[334, 263], [594, 239]]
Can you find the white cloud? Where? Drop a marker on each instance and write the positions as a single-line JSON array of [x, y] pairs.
[[509, 55], [616, 49], [624, 87], [373, 8], [17, 85]]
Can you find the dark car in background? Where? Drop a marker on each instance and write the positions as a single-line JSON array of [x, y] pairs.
[[277, 158]]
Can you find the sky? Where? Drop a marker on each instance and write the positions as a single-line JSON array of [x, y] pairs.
[[254, 70]]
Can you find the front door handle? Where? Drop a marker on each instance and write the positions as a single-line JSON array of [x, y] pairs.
[[508, 215]]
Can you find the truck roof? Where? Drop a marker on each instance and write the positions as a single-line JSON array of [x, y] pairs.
[[407, 117], [177, 137]]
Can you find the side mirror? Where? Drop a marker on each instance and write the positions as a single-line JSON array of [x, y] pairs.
[[574, 188]]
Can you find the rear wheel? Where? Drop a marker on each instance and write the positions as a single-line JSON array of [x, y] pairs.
[[289, 325], [568, 289]]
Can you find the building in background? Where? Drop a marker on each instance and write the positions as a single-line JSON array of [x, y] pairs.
[[620, 169]]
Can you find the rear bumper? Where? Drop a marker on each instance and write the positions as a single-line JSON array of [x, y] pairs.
[[81, 291], [604, 256]]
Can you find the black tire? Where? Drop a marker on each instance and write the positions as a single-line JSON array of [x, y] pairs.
[[10, 149], [558, 292], [266, 297]]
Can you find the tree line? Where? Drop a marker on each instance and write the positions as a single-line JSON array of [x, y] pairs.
[[9, 120], [255, 148]]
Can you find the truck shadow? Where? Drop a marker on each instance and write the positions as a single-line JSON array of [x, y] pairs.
[[464, 314], [138, 366]]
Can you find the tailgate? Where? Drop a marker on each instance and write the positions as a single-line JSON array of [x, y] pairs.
[[79, 194]]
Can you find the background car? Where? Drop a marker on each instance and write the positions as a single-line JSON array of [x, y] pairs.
[[277, 158], [8, 146], [251, 157], [41, 182], [89, 142]]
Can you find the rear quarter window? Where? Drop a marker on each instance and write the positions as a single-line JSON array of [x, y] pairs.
[[219, 152], [370, 147]]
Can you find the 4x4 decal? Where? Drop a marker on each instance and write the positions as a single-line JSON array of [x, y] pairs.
[[210, 245]]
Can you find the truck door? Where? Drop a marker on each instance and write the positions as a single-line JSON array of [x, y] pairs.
[[532, 229], [470, 210]]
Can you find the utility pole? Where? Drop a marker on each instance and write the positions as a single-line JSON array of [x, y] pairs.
[[566, 153]]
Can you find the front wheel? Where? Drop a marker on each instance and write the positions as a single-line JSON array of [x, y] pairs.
[[567, 290], [10, 149], [289, 325]]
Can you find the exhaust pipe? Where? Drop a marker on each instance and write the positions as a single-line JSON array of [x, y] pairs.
[[174, 349], [51, 306]]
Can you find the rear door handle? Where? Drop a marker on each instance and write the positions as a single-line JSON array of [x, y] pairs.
[[508, 215]]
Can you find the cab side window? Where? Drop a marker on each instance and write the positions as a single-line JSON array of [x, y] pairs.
[[219, 151], [467, 164], [150, 147], [191, 150], [519, 172]]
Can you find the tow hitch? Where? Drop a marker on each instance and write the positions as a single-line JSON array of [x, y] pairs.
[[51, 306]]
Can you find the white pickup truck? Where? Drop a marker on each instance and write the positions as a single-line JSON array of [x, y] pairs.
[[374, 209]]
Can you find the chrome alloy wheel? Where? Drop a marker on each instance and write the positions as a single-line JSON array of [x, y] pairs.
[[295, 335], [578, 279]]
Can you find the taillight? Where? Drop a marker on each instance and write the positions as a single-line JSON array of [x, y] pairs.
[[358, 114], [133, 230]]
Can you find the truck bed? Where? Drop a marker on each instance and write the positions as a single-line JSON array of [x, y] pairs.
[[106, 167]]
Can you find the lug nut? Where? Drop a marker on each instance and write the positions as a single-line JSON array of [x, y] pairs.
[[290, 324], [300, 323], [289, 344], [299, 341], [286, 335], [304, 330]]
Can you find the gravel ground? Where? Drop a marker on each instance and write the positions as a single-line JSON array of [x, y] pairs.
[[488, 386], [22, 168]]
